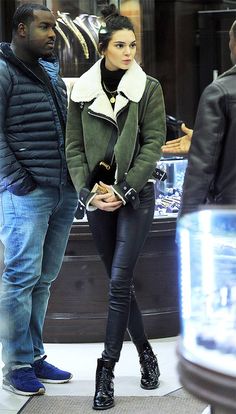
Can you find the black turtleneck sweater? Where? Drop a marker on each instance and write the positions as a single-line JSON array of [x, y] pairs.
[[111, 79]]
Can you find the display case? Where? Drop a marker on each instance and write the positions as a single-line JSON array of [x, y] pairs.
[[207, 276], [78, 306], [168, 192], [208, 287]]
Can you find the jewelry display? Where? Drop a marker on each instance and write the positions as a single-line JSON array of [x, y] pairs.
[[90, 25], [169, 192], [65, 19]]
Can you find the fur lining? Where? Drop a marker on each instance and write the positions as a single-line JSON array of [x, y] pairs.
[[88, 88]]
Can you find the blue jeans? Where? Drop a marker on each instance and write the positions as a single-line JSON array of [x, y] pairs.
[[34, 230]]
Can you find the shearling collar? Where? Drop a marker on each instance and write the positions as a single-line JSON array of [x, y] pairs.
[[88, 88]]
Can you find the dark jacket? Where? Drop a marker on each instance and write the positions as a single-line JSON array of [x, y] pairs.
[[31, 132], [211, 172], [89, 129]]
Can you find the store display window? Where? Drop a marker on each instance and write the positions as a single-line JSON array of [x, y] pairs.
[[77, 25]]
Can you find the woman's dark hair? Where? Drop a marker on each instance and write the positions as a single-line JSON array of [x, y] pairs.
[[112, 21], [25, 14]]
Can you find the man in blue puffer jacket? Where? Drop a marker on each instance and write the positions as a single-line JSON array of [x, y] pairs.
[[37, 199]]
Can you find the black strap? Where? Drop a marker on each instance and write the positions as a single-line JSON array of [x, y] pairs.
[[142, 107], [110, 148]]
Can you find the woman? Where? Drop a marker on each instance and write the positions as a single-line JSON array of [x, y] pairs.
[[108, 98]]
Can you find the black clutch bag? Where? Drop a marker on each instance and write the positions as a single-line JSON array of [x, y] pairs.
[[104, 172]]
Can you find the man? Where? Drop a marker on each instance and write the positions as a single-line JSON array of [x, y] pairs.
[[211, 172], [37, 199]]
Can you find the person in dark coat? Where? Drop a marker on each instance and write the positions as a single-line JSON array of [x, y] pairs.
[[210, 176], [37, 198]]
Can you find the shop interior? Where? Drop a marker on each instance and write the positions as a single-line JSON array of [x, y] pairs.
[[184, 44]]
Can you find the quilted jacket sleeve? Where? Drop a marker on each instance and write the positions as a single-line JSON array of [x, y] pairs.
[[13, 177]]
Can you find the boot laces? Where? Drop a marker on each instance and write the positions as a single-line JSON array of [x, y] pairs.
[[149, 364], [104, 380]]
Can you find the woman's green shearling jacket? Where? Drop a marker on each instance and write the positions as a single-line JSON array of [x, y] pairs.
[[90, 122]]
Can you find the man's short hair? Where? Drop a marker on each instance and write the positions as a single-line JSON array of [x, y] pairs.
[[25, 14]]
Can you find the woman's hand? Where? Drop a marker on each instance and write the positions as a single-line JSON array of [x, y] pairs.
[[107, 201], [180, 145]]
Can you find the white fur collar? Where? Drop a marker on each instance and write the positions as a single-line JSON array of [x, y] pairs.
[[88, 87]]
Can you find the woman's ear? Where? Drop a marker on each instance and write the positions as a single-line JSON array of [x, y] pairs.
[[100, 48]]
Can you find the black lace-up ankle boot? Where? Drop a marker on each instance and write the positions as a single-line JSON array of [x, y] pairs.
[[149, 367], [104, 392]]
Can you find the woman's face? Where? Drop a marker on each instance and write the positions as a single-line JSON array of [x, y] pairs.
[[121, 50]]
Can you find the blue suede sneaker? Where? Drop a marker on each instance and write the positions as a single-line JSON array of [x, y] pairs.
[[46, 372], [22, 381]]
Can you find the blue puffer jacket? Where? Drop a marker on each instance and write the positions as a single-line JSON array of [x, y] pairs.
[[31, 132]]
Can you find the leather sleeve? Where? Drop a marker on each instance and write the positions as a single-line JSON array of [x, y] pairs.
[[206, 147]]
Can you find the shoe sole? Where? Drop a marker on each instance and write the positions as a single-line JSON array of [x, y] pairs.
[[150, 388], [103, 408], [19, 392], [50, 381]]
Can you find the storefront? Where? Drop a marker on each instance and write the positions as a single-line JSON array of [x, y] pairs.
[[171, 43]]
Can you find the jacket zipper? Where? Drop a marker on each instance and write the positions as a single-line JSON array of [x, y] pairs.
[[103, 117], [113, 123]]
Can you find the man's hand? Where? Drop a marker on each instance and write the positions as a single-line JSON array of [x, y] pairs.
[[180, 145]]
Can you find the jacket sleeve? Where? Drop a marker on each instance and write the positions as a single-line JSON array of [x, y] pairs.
[[205, 150], [13, 176], [75, 152], [151, 137]]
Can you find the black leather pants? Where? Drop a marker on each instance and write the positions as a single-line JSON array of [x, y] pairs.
[[119, 237]]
